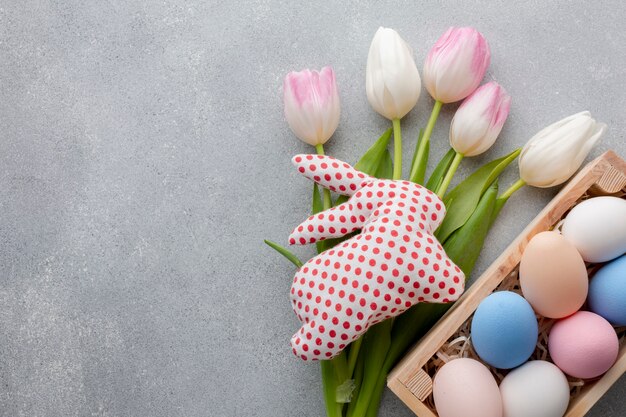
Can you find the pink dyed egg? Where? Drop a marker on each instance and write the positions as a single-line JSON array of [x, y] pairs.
[[583, 345], [465, 388]]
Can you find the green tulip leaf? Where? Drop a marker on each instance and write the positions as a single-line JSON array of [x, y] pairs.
[[440, 171], [341, 199], [370, 160], [385, 168], [500, 202], [285, 252], [465, 244], [463, 199]]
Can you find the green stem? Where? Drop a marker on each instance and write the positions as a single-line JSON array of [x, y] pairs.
[[378, 344], [371, 357], [448, 178], [341, 367], [377, 395], [375, 351], [516, 186], [397, 150], [330, 368], [355, 347], [333, 408], [327, 202], [358, 379], [421, 150]]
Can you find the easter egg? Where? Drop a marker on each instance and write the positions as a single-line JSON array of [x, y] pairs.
[[607, 292], [584, 345], [597, 228], [535, 389], [553, 276], [504, 330], [465, 388]]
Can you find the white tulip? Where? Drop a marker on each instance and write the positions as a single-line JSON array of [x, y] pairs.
[[392, 80], [556, 152]]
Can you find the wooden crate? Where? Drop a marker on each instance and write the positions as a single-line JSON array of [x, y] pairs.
[[411, 381]]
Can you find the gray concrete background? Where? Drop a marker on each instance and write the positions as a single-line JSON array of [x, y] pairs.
[[144, 156]]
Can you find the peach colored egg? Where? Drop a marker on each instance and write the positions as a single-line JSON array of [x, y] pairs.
[[553, 276], [465, 388], [583, 345]]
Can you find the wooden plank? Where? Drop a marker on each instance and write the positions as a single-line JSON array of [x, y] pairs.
[[409, 399]]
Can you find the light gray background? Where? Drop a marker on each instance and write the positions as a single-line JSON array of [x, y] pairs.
[[144, 157]]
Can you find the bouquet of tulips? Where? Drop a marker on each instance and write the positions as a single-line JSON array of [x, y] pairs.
[[394, 253]]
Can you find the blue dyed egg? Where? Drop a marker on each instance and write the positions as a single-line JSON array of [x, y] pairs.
[[504, 330], [607, 292]]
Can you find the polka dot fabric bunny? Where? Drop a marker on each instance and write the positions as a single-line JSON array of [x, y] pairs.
[[392, 264]]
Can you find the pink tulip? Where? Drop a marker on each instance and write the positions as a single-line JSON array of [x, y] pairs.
[[456, 64], [312, 104], [479, 120]]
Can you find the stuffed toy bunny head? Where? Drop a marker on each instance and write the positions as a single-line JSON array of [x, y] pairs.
[[394, 263]]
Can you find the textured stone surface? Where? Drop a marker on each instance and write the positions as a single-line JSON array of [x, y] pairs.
[[144, 157]]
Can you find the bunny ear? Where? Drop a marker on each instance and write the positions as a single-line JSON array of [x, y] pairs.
[[334, 222], [331, 173]]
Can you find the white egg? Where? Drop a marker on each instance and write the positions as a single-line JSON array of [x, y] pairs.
[[535, 389], [597, 228]]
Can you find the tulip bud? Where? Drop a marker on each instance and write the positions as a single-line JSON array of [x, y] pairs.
[[557, 151], [479, 120], [392, 81], [312, 104], [456, 64]]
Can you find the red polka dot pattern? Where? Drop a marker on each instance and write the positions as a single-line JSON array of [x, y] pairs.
[[330, 173], [394, 263]]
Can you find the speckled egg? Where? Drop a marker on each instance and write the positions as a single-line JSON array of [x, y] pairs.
[[465, 388], [504, 330], [584, 345]]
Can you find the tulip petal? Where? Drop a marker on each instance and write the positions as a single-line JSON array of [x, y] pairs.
[[556, 152], [392, 81], [456, 64], [312, 105], [479, 120]]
